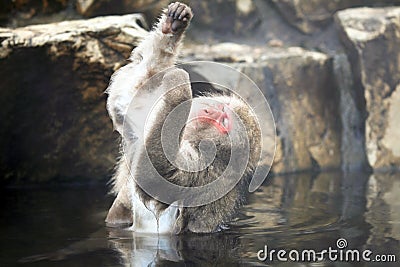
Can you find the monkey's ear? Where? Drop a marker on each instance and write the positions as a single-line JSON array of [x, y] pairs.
[[119, 215]]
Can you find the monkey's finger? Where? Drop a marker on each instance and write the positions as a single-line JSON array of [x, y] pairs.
[[186, 13], [174, 8], [183, 14], [170, 9], [179, 11]]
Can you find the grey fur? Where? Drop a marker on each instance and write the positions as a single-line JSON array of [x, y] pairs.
[[163, 52]]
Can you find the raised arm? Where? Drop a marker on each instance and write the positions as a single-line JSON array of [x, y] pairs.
[[133, 91], [157, 52]]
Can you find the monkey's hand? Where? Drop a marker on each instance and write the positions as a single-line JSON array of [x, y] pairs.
[[178, 18]]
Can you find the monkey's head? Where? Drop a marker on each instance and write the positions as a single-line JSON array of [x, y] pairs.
[[226, 120]]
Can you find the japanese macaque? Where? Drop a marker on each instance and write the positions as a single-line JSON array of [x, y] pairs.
[[142, 96]]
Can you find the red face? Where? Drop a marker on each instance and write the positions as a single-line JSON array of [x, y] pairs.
[[217, 115]]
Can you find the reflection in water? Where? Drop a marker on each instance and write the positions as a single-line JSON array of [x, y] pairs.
[[153, 250], [383, 213], [289, 212]]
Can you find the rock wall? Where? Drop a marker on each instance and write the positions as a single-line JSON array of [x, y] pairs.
[[332, 80], [314, 15], [372, 41], [352, 115], [303, 96], [53, 121]]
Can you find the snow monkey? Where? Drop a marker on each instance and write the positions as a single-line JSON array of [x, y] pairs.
[[142, 95]]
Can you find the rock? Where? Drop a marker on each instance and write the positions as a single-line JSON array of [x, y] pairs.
[[226, 17], [254, 23], [300, 88], [53, 121], [150, 8], [18, 13], [314, 15], [59, 127], [245, 21], [106, 7], [352, 116], [5, 9], [383, 208], [371, 38], [84, 6]]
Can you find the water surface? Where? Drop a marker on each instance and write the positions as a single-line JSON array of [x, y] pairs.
[[63, 226]]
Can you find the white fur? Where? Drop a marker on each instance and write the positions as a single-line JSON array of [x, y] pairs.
[[155, 53], [145, 220]]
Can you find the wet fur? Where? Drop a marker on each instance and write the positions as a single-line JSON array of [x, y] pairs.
[[157, 52]]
